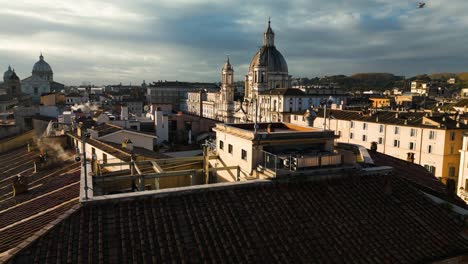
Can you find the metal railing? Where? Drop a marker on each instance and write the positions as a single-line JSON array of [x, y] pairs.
[[275, 162]]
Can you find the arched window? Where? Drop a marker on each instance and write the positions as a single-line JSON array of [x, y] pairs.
[[274, 105]]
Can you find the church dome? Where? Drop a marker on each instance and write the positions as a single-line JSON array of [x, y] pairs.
[[42, 67], [7, 74], [270, 57]]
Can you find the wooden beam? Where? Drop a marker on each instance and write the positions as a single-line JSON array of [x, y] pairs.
[[159, 175]]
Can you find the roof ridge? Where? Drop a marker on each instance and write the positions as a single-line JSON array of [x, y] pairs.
[[173, 191]]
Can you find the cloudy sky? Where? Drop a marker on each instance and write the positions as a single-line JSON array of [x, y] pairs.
[[130, 41]]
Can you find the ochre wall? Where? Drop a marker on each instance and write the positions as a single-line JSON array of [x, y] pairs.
[[16, 142]]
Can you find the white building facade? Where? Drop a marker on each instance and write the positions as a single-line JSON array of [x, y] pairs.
[[41, 81], [430, 141]]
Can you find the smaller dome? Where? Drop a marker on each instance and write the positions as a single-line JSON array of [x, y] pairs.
[[42, 67], [14, 77], [7, 74]]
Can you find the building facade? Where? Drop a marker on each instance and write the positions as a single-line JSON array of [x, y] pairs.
[[428, 140], [11, 85], [268, 94]]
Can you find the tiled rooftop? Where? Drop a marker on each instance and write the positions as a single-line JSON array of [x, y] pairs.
[[353, 219], [414, 119], [51, 193], [284, 91], [417, 175], [106, 129]]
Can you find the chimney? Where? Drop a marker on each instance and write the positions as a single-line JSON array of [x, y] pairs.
[[127, 144], [78, 129], [20, 185], [270, 129]]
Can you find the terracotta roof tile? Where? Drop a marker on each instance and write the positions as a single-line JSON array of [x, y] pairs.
[[417, 175], [50, 193], [284, 91], [338, 220]]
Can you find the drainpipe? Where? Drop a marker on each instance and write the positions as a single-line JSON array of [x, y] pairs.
[[83, 144], [324, 116], [420, 145], [384, 139]]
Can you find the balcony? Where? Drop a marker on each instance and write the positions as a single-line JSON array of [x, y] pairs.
[[280, 164]]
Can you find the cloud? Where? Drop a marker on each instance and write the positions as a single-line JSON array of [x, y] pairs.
[[130, 41]]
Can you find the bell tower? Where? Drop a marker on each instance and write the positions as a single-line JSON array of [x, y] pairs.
[[227, 92]]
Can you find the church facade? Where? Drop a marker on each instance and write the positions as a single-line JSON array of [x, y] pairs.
[[11, 83], [41, 81], [268, 95]]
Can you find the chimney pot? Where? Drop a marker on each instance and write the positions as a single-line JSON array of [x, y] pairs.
[[20, 185]]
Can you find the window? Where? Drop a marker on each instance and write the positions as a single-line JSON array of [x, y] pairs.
[[364, 126], [295, 117], [244, 154], [452, 135], [452, 149], [352, 124], [104, 158], [411, 145], [432, 134], [430, 168], [429, 149], [380, 140], [351, 135], [381, 128], [364, 138], [397, 130], [396, 143], [221, 144], [413, 132], [230, 149], [36, 90], [451, 171]]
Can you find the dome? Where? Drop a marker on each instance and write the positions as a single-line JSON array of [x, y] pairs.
[[14, 77], [7, 74], [42, 67], [270, 57]]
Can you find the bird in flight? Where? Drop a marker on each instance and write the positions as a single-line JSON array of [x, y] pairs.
[[421, 5]]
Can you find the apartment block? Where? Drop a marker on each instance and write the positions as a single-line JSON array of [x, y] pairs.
[[430, 140]]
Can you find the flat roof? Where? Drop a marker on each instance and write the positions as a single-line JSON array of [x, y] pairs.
[[275, 131], [275, 127]]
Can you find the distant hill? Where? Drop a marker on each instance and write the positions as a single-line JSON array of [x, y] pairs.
[[383, 81], [461, 78], [359, 81]]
